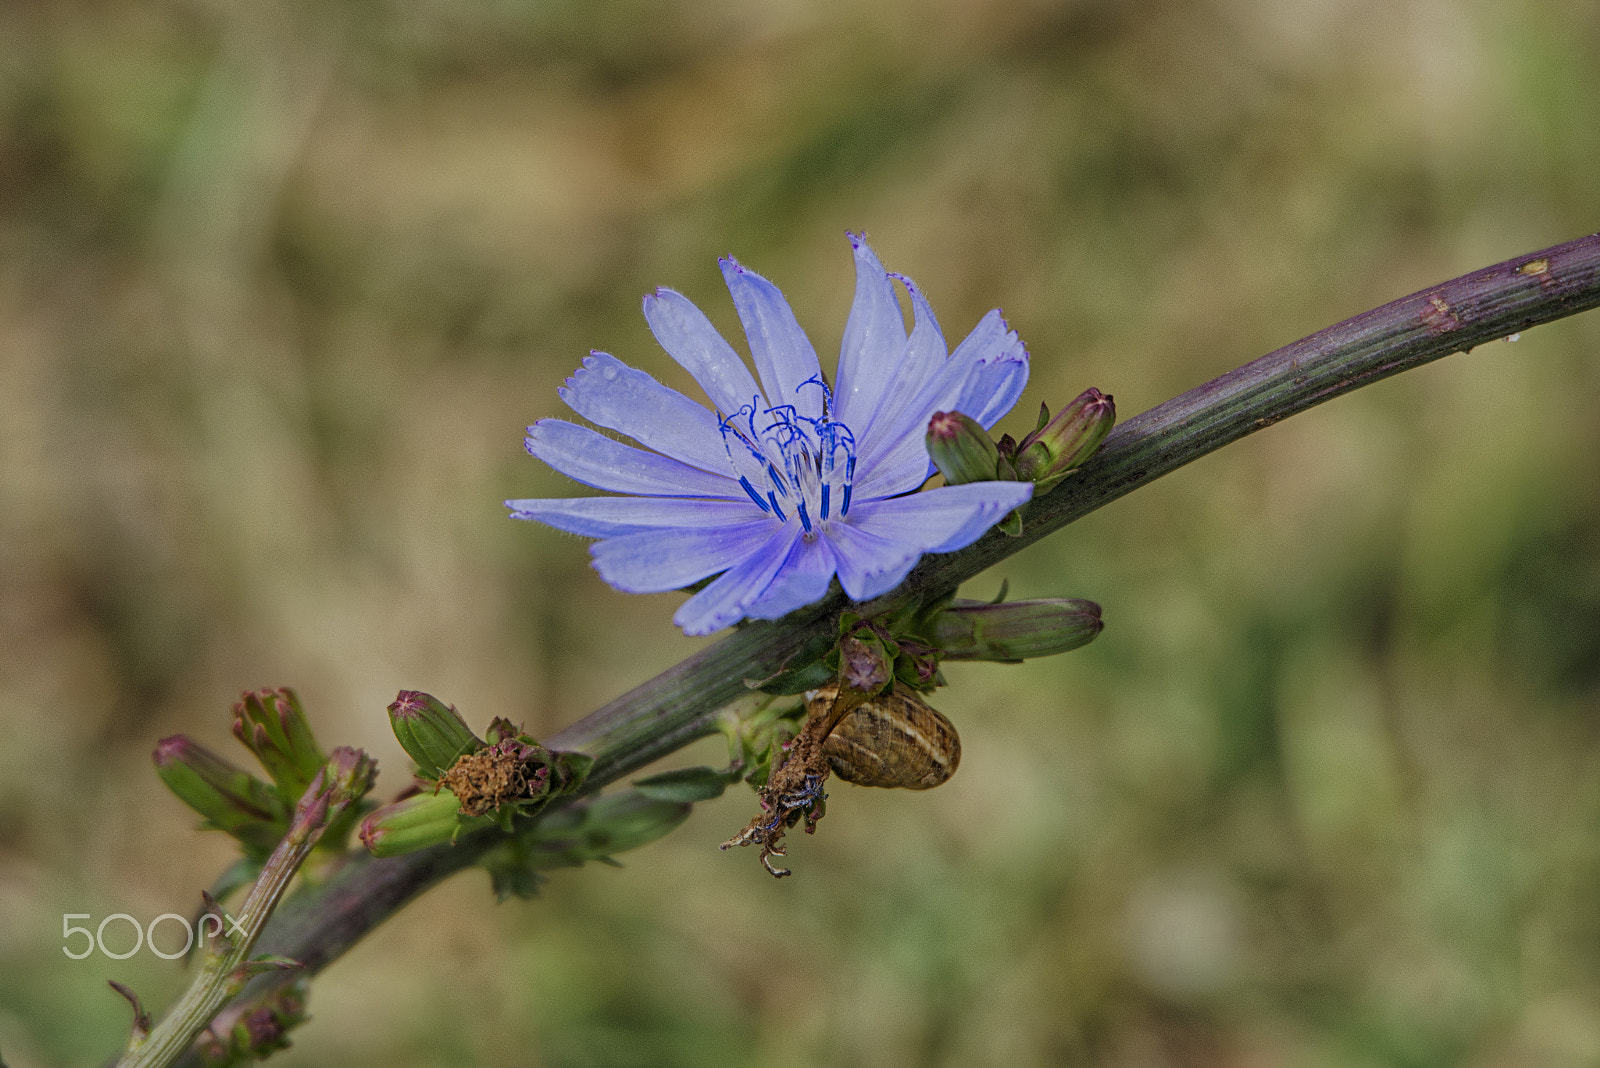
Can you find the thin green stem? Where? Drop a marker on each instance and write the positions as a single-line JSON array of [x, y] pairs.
[[682, 703], [228, 964]]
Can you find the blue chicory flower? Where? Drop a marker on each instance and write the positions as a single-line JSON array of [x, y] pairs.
[[790, 482]]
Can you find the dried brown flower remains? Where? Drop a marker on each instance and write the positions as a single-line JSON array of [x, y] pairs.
[[892, 740], [494, 776]]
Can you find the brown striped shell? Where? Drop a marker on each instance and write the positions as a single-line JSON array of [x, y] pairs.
[[895, 739]]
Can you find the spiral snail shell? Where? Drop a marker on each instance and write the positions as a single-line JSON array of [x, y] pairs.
[[893, 740]]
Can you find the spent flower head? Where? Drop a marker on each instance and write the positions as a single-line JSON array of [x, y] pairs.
[[788, 482]]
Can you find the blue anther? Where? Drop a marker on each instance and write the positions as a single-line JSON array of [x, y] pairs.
[[826, 489], [754, 496], [844, 509], [805, 520], [776, 509]]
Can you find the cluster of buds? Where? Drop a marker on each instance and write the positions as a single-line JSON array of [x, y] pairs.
[[1058, 446], [272, 724], [257, 1034], [464, 782]]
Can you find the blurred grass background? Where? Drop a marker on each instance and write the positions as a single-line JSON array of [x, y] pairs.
[[281, 283]]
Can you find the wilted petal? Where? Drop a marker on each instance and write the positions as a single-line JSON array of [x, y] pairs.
[[659, 560], [723, 603], [874, 340], [596, 460], [783, 354], [945, 519], [609, 392], [803, 578], [607, 517], [688, 336]]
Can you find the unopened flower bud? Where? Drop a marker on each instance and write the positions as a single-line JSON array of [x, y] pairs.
[[431, 732], [230, 798], [970, 630], [272, 725], [866, 665], [329, 806], [961, 449], [351, 773], [416, 822], [1061, 445], [261, 1031]]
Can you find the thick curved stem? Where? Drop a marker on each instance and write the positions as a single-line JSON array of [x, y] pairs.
[[682, 703]]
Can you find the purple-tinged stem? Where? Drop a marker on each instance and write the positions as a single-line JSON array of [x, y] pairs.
[[681, 704]]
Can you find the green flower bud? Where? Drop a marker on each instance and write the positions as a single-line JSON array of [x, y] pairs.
[[230, 798], [961, 449], [342, 782], [972, 630], [272, 725], [416, 822], [1062, 445], [431, 732], [866, 664], [350, 774]]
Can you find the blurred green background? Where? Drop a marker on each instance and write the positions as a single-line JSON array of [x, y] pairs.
[[281, 284]]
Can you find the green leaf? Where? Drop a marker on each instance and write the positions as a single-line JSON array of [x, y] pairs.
[[684, 784], [788, 683]]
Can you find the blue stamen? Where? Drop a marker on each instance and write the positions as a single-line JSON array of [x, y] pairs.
[[776, 509], [827, 394], [826, 490], [805, 520], [751, 490], [845, 508]]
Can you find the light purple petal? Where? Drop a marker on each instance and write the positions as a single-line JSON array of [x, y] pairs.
[[723, 603], [999, 370], [803, 579], [659, 560], [608, 517], [982, 379], [868, 564], [783, 354], [924, 355], [688, 336], [896, 457], [608, 392], [874, 340], [941, 520], [596, 460]]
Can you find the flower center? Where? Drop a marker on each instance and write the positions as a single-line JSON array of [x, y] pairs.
[[789, 462]]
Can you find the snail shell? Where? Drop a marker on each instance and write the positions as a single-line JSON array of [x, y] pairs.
[[895, 739]]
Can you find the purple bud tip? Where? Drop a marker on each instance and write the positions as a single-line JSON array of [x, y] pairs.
[[409, 703], [945, 425], [171, 750], [262, 1028]]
